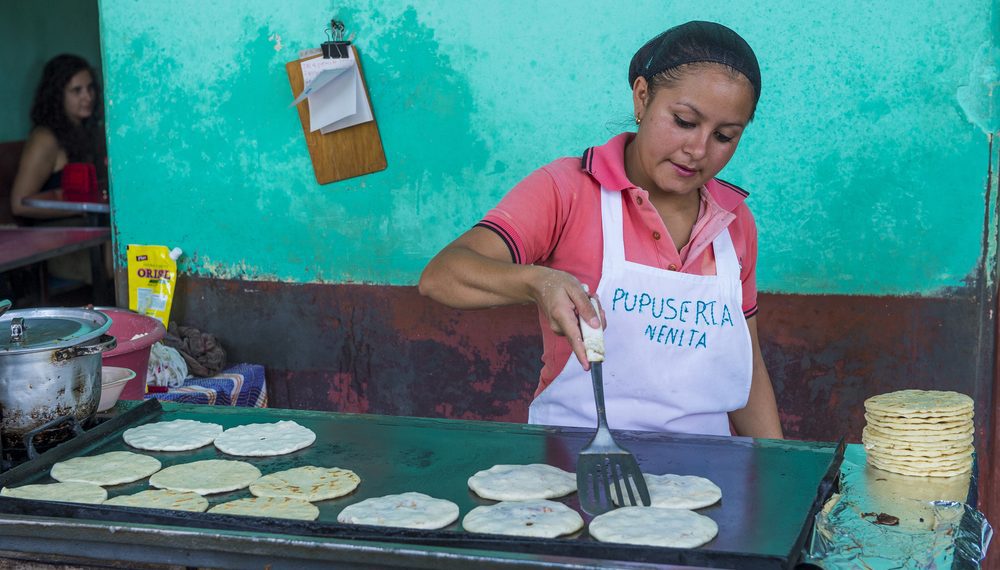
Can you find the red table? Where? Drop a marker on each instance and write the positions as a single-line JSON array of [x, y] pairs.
[[25, 246], [93, 212]]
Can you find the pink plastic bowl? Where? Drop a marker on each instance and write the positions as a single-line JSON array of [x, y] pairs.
[[136, 334]]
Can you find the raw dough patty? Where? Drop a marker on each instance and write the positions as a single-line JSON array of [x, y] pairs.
[[540, 518], [522, 482], [408, 510], [177, 435], [260, 440], [653, 526]]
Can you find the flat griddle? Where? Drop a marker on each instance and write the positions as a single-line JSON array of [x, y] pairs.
[[771, 489]]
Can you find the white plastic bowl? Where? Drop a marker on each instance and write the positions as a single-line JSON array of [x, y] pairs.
[[113, 380]]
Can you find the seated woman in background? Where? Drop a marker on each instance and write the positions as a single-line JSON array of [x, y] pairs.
[[63, 148]]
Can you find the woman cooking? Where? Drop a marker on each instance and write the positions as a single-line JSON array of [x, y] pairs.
[[669, 249]]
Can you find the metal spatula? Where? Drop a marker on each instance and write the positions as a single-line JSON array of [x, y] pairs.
[[604, 466]]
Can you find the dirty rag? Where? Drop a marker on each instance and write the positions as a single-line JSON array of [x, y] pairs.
[[200, 350]]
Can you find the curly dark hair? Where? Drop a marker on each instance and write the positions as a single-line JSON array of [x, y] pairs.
[[82, 142]]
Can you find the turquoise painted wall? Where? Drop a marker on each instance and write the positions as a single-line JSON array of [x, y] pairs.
[[867, 162], [30, 34]]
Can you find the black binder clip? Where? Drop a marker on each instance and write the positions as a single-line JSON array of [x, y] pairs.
[[336, 47]]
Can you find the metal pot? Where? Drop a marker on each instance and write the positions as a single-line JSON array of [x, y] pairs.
[[50, 366]]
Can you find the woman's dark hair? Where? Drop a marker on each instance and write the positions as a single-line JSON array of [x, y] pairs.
[[81, 142], [664, 59]]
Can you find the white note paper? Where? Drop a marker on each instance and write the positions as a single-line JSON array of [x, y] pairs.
[[363, 111], [335, 94]]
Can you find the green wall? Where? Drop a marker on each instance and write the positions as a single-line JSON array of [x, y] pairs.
[[867, 163], [31, 32]]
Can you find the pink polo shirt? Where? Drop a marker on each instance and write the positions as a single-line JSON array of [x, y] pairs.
[[553, 218]]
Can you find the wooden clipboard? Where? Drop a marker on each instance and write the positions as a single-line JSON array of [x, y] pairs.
[[342, 154]]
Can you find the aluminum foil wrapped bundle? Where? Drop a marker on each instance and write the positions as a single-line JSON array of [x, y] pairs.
[[880, 516]]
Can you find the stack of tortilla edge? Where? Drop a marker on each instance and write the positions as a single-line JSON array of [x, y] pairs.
[[919, 432]]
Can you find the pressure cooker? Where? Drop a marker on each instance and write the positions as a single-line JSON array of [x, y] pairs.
[[50, 367]]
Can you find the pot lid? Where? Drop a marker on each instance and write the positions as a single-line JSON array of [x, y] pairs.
[[31, 330]]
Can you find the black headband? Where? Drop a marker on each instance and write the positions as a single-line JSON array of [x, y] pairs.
[[695, 42]]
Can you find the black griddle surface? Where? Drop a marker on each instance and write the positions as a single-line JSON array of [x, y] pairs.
[[770, 489]]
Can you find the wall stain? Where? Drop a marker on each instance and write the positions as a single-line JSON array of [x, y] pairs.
[[979, 98]]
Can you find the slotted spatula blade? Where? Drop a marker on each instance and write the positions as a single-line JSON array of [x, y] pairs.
[[604, 467]]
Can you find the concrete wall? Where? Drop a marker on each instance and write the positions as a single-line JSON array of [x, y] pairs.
[[30, 34], [867, 163]]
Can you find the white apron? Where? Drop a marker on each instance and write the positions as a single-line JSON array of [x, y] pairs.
[[677, 348]]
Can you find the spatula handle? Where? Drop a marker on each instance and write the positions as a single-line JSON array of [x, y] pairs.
[[593, 338]]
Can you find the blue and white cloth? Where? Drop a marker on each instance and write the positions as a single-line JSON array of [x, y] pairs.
[[240, 385]]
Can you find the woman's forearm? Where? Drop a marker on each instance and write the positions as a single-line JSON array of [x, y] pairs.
[[475, 272], [23, 211], [466, 279], [760, 416]]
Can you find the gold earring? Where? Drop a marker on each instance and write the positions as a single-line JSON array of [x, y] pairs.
[[638, 120]]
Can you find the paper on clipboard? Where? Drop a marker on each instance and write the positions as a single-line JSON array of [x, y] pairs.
[[317, 83], [335, 94], [363, 111]]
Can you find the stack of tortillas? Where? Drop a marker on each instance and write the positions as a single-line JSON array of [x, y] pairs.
[[920, 433]]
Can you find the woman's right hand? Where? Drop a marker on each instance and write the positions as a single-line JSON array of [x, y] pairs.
[[564, 302]]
